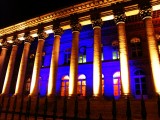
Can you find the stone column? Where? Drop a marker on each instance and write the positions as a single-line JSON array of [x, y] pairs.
[[23, 65], [54, 60], [10, 68], [3, 55], [146, 15], [123, 50], [37, 64], [97, 63], [76, 27]]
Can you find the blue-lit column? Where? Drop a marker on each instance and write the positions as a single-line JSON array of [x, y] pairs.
[[54, 60], [97, 63], [123, 50], [10, 68], [3, 55], [37, 63], [146, 15], [76, 27], [23, 64]]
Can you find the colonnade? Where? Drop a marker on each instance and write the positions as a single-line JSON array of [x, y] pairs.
[[97, 65]]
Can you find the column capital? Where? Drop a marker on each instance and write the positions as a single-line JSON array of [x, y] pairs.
[[28, 38], [16, 41], [5, 44], [97, 23], [58, 31], [56, 27], [42, 35], [145, 9], [96, 19], [146, 13], [119, 18], [74, 23]]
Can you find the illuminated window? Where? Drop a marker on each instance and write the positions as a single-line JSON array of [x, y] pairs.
[[117, 84], [140, 83], [115, 52], [82, 55], [65, 85], [136, 48], [67, 56], [81, 88]]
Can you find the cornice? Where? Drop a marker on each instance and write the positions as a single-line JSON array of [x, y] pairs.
[[80, 8]]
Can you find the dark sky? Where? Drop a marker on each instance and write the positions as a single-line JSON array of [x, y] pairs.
[[14, 11]]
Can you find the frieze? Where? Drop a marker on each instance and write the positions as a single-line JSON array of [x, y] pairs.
[[80, 8]]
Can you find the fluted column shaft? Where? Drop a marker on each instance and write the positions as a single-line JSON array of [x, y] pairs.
[[54, 64], [97, 64], [9, 72], [146, 15], [34, 89], [123, 50], [2, 58], [74, 64], [22, 69]]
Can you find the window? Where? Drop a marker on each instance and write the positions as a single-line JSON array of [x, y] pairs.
[[117, 84], [136, 47], [82, 55], [140, 83], [81, 88], [67, 56], [65, 85], [115, 52]]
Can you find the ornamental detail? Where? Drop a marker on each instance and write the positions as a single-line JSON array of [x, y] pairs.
[[5, 44], [42, 35], [28, 38], [145, 13], [58, 31], [97, 23], [16, 41], [121, 18], [76, 27]]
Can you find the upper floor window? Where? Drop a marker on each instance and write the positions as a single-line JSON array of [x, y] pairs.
[[140, 83], [115, 52], [82, 55], [136, 48], [67, 56]]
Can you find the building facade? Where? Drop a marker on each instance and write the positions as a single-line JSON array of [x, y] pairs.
[[97, 49]]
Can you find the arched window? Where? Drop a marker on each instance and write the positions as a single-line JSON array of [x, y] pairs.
[[81, 88], [140, 83], [116, 84], [65, 85], [136, 47]]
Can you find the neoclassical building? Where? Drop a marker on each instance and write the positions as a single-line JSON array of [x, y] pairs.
[[98, 49]]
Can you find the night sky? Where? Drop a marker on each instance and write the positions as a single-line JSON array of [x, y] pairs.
[[15, 11]]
